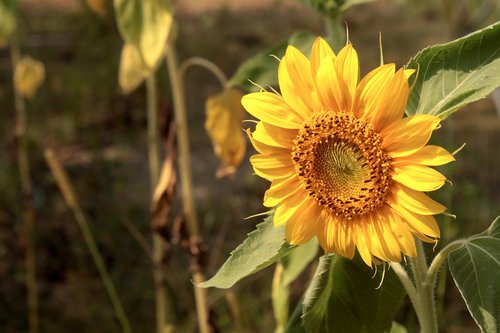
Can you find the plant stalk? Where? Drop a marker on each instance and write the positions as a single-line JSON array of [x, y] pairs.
[[161, 300], [27, 194], [427, 308], [71, 199], [189, 208]]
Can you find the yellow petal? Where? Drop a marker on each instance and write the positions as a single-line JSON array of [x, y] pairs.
[[337, 236], [271, 108], [347, 65], [407, 135], [332, 91], [368, 93], [224, 115], [319, 51], [274, 136], [414, 201], [289, 207], [303, 226], [425, 224], [393, 99], [362, 241], [296, 83], [271, 166], [389, 243], [418, 177], [428, 155], [280, 189], [402, 233]]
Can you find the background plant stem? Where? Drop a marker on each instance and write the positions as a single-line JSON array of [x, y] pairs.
[[189, 208], [71, 199], [27, 194]]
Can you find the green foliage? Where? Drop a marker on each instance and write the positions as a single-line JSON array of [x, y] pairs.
[[344, 297], [263, 247], [263, 67], [332, 6], [146, 25], [476, 270], [454, 74], [7, 20]]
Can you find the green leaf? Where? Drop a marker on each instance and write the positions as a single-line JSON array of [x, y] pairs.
[[145, 24], [454, 74], [332, 6], [263, 67], [263, 247], [343, 297], [8, 10], [475, 267]]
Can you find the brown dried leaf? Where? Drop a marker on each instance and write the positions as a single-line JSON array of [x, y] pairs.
[[224, 115]]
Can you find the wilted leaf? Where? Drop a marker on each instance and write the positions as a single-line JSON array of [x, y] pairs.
[[28, 76], [145, 24], [131, 72], [343, 297], [7, 20], [454, 74], [263, 247], [98, 7], [224, 114], [475, 267]]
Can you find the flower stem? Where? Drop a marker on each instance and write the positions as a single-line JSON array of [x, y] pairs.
[[439, 260], [27, 194], [407, 284], [154, 174], [189, 208], [202, 62], [71, 199], [426, 311]]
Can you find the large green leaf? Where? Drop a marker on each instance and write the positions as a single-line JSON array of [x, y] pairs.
[[263, 247], [476, 270], [145, 24], [454, 74], [343, 297], [262, 68], [7, 20]]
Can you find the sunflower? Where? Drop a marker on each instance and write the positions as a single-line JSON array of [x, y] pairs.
[[344, 164]]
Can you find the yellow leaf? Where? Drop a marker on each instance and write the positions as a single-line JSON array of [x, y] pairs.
[[28, 76], [7, 20], [132, 71], [224, 115]]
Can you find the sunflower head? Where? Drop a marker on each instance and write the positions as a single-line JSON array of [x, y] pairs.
[[344, 164]]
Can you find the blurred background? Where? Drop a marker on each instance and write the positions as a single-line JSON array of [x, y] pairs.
[[100, 136]]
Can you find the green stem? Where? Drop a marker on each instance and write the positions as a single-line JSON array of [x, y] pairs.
[[162, 304], [71, 199], [202, 62], [335, 30], [427, 308], [189, 208], [439, 260], [28, 210], [407, 284]]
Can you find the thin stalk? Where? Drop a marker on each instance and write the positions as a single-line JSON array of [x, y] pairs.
[[202, 62], [71, 199], [439, 260], [407, 284], [161, 300], [427, 307], [189, 208], [28, 209]]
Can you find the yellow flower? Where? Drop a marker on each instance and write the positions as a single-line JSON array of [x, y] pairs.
[[344, 164]]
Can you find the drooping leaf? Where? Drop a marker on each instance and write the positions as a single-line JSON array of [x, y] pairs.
[[145, 24], [224, 115], [454, 74], [7, 20], [98, 7], [343, 297], [475, 268], [263, 246], [132, 71], [262, 68], [28, 76]]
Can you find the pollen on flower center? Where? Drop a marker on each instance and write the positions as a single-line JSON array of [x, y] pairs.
[[340, 160]]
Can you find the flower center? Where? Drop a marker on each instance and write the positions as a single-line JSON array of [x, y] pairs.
[[339, 159]]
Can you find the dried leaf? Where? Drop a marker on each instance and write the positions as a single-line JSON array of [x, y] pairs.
[[132, 71], [28, 76], [98, 7], [224, 115]]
